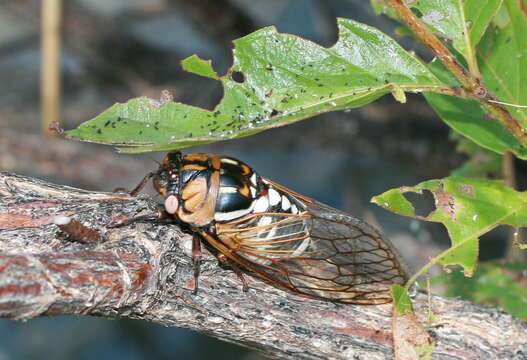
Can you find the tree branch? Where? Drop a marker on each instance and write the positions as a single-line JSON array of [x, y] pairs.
[[144, 272]]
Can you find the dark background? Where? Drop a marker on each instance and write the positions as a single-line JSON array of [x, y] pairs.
[[114, 50]]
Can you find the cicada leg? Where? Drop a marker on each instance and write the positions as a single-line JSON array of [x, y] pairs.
[[139, 186], [158, 215], [196, 259], [226, 261]]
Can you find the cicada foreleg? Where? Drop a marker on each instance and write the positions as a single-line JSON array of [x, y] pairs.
[[158, 215], [142, 184], [139, 186]]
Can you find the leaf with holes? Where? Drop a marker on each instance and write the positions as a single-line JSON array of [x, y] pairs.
[[467, 207], [276, 79]]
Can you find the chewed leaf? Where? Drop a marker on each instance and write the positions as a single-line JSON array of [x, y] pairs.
[[276, 79], [467, 207]]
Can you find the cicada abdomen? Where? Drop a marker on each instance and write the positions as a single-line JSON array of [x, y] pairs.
[[288, 239]]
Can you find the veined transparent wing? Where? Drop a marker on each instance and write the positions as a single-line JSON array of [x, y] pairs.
[[320, 252]]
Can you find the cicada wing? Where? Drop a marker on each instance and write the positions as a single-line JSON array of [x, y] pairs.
[[321, 253]]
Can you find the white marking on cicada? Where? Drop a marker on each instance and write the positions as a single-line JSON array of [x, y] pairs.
[[303, 246], [261, 204], [230, 215], [265, 181], [229, 161], [253, 179], [286, 204], [171, 204], [274, 197], [228, 189], [294, 209], [253, 191], [265, 220]]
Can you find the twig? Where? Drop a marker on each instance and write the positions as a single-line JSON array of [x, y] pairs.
[[50, 92], [144, 272]]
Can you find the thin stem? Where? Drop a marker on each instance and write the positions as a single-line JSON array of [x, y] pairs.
[[50, 88], [517, 235]]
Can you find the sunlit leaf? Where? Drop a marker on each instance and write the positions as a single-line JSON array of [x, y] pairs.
[[467, 207], [276, 79]]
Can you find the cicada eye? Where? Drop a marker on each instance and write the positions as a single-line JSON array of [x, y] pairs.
[[171, 204], [161, 182]]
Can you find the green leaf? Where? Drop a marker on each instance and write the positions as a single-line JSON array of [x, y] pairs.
[[468, 118], [401, 300], [479, 14], [276, 79], [503, 60], [446, 17], [467, 207], [198, 66]]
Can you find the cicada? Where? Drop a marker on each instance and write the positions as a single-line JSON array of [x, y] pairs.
[[288, 239]]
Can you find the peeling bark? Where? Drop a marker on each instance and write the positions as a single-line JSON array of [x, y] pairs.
[[144, 271]]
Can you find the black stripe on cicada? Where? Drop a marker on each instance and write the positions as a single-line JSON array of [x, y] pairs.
[[288, 239]]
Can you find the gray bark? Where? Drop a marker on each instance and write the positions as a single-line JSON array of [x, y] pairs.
[[144, 271]]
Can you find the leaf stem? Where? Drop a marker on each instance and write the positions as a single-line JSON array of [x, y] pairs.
[[470, 82]]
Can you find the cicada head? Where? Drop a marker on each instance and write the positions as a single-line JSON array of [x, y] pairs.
[[189, 184], [166, 179]]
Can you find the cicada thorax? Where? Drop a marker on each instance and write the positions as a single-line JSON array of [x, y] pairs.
[[284, 237], [206, 189]]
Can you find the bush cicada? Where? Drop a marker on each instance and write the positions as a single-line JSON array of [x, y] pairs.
[[288, 239]]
